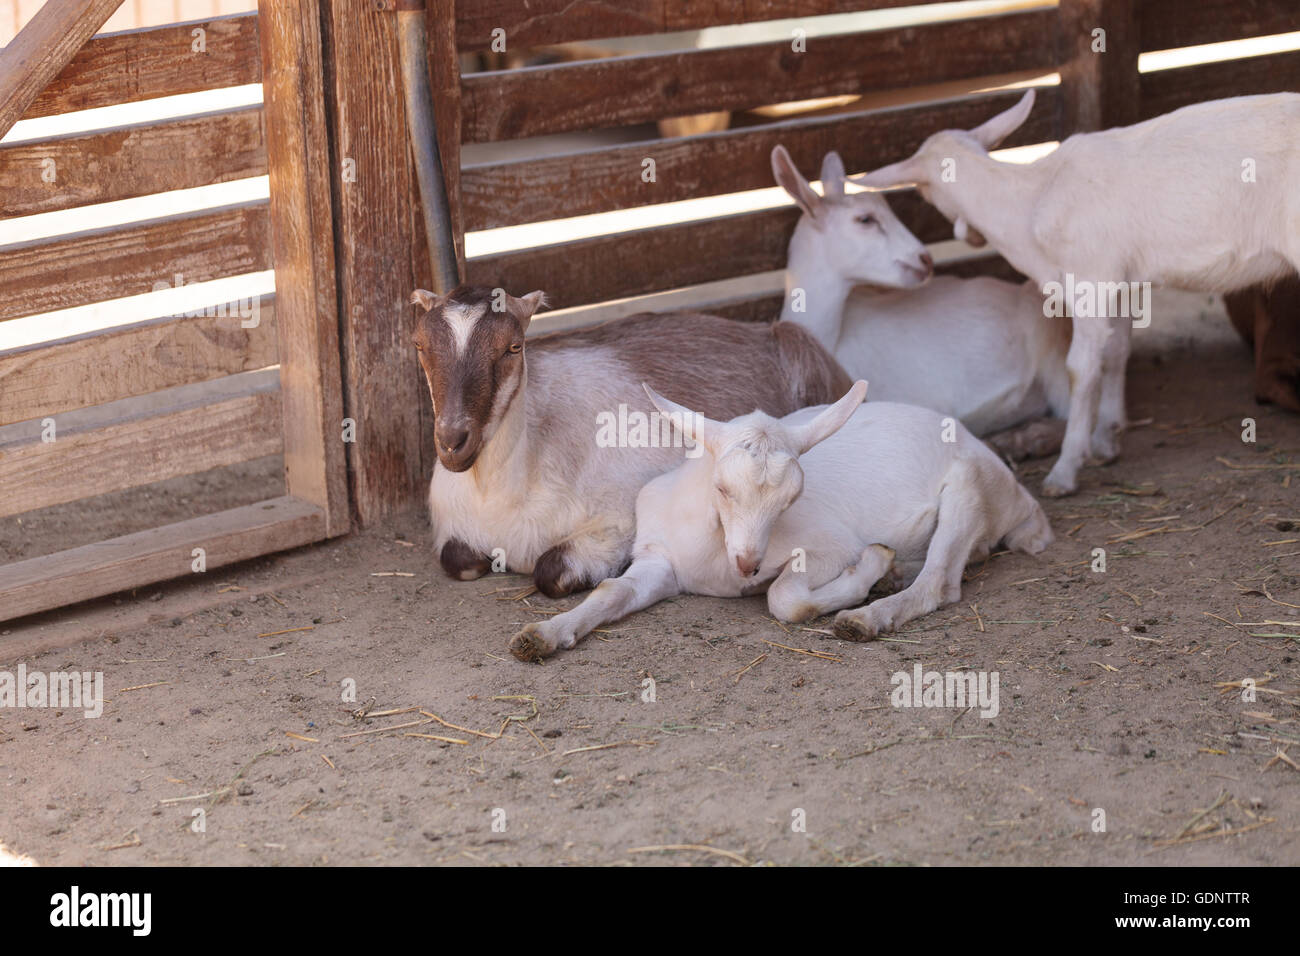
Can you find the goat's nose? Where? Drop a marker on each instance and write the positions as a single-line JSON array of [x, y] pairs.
[[927, 262], [747, 565], [453, 439]]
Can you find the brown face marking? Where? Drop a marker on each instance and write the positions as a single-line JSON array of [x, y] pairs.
[[469, 353]]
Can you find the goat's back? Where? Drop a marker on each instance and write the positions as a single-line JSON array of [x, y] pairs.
[[719, 367]]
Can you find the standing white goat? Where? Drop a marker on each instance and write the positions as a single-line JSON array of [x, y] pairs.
[[978, 349], [815, 508], [1205, 198]]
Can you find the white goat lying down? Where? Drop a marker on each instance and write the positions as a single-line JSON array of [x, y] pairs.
[[1205, 198], [814, 508], [978, 349], [527, 478]]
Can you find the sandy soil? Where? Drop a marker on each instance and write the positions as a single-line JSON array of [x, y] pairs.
[[225, 696]]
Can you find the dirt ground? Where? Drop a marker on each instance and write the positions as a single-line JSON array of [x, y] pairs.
[[225, 696]]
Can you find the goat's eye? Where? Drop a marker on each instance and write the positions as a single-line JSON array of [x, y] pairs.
[[419, 347], [516, 349], [867, 220], [723, 491]]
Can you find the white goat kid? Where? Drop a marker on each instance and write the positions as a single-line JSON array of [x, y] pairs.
[[1205, 198], [978, 349], [815, 508]]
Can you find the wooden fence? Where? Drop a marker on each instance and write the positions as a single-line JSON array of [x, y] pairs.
[[343, 235]]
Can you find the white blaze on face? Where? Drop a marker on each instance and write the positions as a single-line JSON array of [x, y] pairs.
[[461, 320]]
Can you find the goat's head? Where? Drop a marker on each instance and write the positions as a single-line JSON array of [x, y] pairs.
[[471, 346], [934, 164], [857, 235], [755, 468]]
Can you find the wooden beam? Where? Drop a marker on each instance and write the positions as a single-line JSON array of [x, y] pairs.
[[138, 450], [1169, 24], [131, 161], [155, 61], [554, 187], [1166, 90], [1098, 48], [126, 361], [690, 253], [531, 23], [158, 554], [43, 48], [302, 236], [625, 91], [381, 259], [118, 261]]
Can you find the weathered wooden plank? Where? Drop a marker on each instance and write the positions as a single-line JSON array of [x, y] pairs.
[[156, 61], [43, 48], [1099, 70], [1167, 90], [302, 232], [624, 91], [602, 268], [123, 362], [532, 190], [1167, 24], [158, 554], [529, 23], [138, 450], [380, 260], [110, 263], [130, 161]]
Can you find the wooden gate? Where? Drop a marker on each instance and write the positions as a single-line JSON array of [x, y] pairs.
[[92, 383]]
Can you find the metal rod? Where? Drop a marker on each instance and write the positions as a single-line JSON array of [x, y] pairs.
[[414, 48]]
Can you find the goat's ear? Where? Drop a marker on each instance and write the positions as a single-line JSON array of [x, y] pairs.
[[791, 180], [832, 176], [992, 132], [830, 421], [909, 172], [523, 307], [425, 298], [692, 425]]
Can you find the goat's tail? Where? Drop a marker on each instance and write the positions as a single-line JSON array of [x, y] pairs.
[[810, 372]]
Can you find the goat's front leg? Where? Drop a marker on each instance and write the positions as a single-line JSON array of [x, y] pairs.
[[1084, 365], [1111, 413], [649, 580], [579, 562], [793, 596]]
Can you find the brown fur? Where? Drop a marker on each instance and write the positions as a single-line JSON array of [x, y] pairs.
[[462, 562], [789, 366], [553, 576], [1269, 319]]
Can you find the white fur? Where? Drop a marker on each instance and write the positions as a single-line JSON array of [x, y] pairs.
[[882, 488], [461, 319], [540, 469], [1161, 201], [979, 350]]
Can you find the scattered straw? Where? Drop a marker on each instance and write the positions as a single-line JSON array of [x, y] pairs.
[[692, 848]]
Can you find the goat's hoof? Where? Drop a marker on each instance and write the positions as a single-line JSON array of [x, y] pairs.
[[530, 647], [1055, 488], [851, 629]]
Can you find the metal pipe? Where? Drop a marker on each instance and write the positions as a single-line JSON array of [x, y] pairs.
[[414, 48]]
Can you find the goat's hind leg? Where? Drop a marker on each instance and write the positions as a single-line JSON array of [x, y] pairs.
[[958, 530], [791, 598], [650, 579]]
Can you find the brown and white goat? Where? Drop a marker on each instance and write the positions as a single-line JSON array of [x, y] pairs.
[[522, 482]]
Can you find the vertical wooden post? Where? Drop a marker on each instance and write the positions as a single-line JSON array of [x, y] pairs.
[[302, 238], [1098, 46], [380, 259]]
